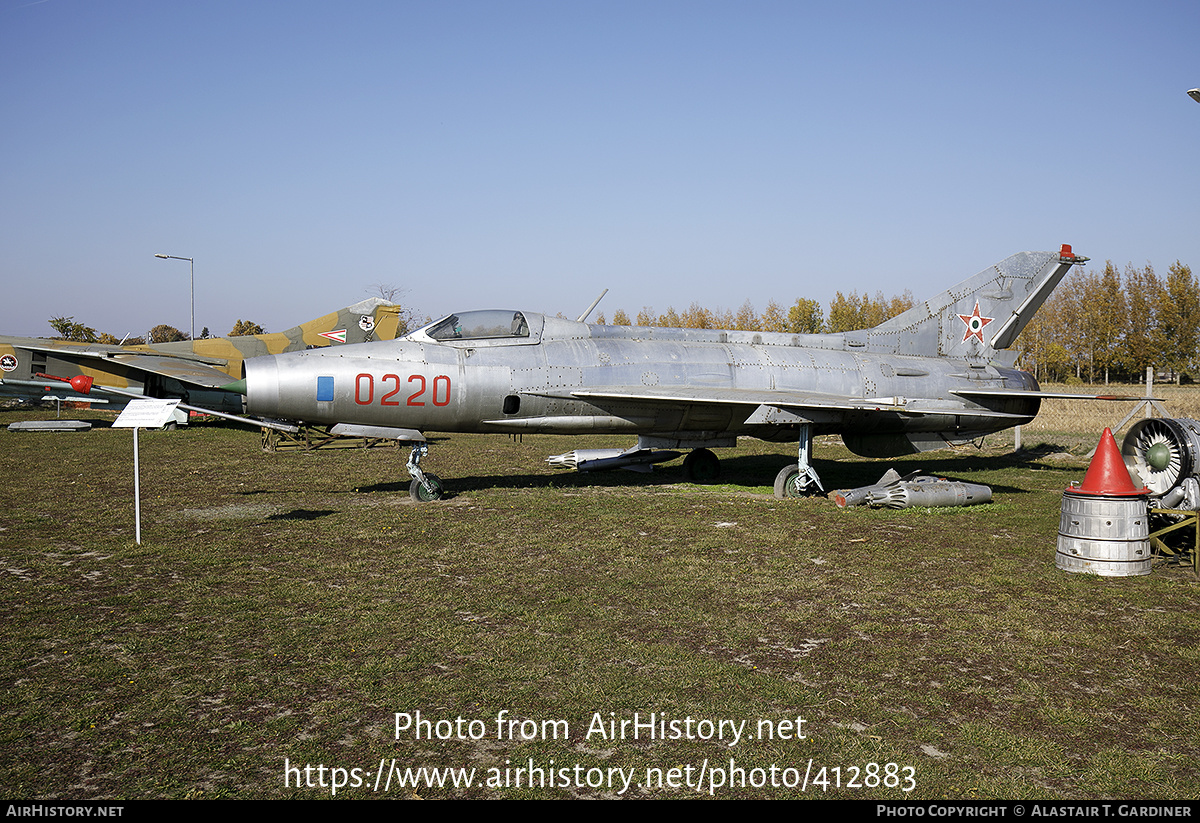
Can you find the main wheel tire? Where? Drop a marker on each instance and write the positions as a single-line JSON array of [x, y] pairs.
[[702, 467], [418, 492], [785, 483]]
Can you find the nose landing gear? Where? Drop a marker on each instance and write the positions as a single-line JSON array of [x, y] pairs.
[[424, 487]]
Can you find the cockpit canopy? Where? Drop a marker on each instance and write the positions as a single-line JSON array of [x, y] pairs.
[[480, 325]]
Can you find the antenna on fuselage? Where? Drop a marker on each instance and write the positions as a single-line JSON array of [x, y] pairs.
[[595, 303]]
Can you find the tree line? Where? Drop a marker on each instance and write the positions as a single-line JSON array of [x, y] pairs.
[[67, 328], [805, 316], [1102, 325]]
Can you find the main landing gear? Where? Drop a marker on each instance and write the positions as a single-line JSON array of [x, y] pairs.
[[424, 487], [799, 480], [701, 466]]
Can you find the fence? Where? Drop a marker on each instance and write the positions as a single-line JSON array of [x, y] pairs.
[[1083, 416]]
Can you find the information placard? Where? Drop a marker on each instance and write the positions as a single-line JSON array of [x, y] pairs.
[[146, 414]]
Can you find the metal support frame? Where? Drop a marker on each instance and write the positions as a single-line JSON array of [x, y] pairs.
[[309, 438], [1190, 519]]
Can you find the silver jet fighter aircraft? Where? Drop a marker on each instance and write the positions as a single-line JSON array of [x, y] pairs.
[[932, 376]]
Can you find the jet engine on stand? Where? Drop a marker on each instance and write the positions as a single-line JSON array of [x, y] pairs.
[[1164, 454]]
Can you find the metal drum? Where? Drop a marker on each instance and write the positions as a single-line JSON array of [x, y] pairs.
[[1108, 536]]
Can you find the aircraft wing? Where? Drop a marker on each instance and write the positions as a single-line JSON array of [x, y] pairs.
[[183, 370], [200, 371], [786, 406], [1045, 395]]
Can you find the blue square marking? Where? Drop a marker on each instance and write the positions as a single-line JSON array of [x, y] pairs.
[[324, 388]]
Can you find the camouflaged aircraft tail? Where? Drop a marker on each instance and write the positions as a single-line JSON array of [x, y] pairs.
[[371, 319]]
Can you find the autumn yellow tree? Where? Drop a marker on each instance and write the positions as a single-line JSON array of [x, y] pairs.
[[162, 333], [1040, 345], [851, 312], [1144, 342], [723, 319], [1179, 317], [845, 312], [1088, 314], [899, 303], [805, 317], [1103, 317], [695, 317], [773, 318], [746, 318], [244, 327]]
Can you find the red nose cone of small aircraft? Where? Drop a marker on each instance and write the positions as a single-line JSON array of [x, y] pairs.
[[1107, 475], [80, 382]]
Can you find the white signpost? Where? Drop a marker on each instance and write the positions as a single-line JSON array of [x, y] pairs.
[[143, 414]]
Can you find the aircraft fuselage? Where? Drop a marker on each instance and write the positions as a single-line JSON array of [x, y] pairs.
[[689, 384]]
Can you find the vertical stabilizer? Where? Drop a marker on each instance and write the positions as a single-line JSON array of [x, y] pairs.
[[367, 320], [979, 316]]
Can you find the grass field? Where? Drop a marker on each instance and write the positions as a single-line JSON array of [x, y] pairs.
[[284, 609]]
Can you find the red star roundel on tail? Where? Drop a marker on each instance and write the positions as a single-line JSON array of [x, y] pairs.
[[975, 324]]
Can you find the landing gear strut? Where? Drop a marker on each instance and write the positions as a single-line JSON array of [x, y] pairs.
[[801, 479], [424, 487]]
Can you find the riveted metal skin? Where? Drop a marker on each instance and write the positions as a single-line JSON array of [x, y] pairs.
[[611, 380], [926, 378]]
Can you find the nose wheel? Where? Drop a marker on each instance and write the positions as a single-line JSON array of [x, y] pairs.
[[424, 487], [429, 488]]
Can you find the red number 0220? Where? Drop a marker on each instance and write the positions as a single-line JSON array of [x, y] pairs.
[[391, 384]]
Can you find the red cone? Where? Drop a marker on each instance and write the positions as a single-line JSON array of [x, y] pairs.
[[1108, 476]]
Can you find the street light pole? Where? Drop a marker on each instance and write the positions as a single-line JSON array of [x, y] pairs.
[[192, 280]]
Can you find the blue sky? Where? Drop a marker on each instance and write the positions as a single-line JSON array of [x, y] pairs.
[[528, 154]]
